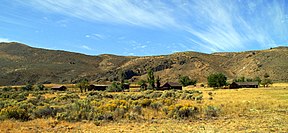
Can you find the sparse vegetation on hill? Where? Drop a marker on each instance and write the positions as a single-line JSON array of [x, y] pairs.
[[21, 64]]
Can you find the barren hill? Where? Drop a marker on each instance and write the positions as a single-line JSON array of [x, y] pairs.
[[20, 64]]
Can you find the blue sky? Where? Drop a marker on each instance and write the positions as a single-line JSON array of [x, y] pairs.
[[145, 27]]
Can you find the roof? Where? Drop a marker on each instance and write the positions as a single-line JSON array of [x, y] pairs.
[[58, 86], [173, 84], [246, 83], [99, 85]]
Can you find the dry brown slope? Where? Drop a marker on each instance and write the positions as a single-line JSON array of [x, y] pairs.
[[20, 64]]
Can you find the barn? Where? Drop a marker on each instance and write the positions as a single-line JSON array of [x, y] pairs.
[[171, 85], [97, 87], [236, 85], [59, 88]]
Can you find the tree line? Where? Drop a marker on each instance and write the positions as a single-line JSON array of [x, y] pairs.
[[151, 83]]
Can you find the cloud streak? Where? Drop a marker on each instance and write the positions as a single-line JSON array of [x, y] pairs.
[[86, 47], [113, 11], [215, 25], [96, 36]]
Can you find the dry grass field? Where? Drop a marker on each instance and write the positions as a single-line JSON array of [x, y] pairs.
[[241, 110]]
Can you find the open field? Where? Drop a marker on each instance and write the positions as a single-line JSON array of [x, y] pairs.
[[241, 110]]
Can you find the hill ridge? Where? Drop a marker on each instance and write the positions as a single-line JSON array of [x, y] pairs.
[[20, 64]]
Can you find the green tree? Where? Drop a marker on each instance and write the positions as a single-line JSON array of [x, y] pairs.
[[241, 79], [40, 87], [83, 85], [185, 81], [266, 81], [122, 78], [258, 79], [115, 87], [158, 82], [151, 79], [27, 87], [217, 80], [142, 84], [249, 80]]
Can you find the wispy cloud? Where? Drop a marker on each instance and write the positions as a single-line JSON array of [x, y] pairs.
[[138, 13], [215, 25], [86, 47], [229, 25], [96, 36]]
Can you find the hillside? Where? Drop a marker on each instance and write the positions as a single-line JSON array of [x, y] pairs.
[[20, 64]]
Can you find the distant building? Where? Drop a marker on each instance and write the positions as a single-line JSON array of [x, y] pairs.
[[126, 86], [171, 85], [59, 88], [97, 87], [236, 85], [137, 86]]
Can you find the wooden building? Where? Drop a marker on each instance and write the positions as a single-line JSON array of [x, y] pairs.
[[171, 85], [59, 88], [126, 86], [236, 85], [97, 87]]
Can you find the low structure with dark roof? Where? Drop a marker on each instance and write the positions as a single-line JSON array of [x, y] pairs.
[[171, 85], [97, 87], [236, 85], [59, 88]]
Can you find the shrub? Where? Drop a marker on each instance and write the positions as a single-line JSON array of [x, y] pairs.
[[77, 111], [109, 107], [145, 102], [108, 96], [40, 87], [108, 116], [165, 110], [168, 94], [28, 87], [181, 112], [154, 94], [190, 96], [119, 102], [147, 92], [15, 113], [29, 107], [185, 112], [168, 102], [212, 111], [137, 109], [66, 97], [199, 97], [210, 93], [20, 96], [7, 89], [156, 105], [137, 96], [44, 112], [120, 112]]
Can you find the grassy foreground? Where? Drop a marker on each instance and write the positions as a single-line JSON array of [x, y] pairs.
[[242, 110]]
